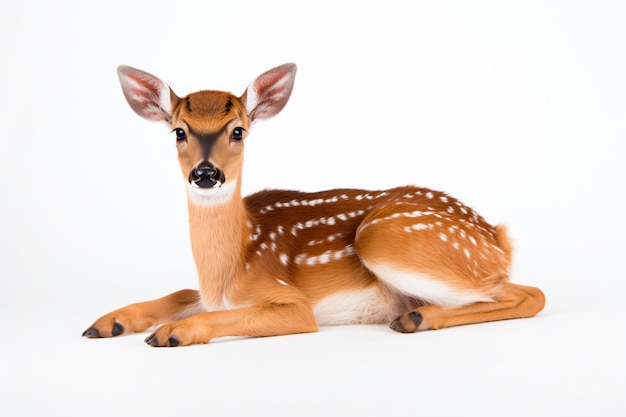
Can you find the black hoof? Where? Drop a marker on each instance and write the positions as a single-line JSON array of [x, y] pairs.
[[152, 341], [118, 329], [404, 326], [173, 341], [416, 317], [91, 333]]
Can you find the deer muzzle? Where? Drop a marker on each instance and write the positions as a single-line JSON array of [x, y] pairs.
[[207, 176]]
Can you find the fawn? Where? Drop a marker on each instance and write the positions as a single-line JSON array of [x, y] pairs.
[[280, 262]]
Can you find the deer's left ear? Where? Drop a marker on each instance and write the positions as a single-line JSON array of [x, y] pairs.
[[268, 94], [147, 95]]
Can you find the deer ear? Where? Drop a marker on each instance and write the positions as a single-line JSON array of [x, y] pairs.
[[266, 96], [147, 95]]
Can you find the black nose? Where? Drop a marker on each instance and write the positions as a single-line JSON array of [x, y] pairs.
[[207, 176]]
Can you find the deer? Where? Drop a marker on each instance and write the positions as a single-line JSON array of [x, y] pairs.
[[281, 262]]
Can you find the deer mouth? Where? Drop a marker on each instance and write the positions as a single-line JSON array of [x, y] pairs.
[[207, 183]]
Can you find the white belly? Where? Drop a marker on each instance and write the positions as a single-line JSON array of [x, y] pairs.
[[367, 306]]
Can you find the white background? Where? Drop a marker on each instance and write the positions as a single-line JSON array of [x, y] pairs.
[[517, 108]]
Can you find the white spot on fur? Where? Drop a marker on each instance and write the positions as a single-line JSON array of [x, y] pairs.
[[325, 257], [284, 259], [257, 233], [353, 214], [412, 214], [323, 241], [294, 229], [281, 282], [497, 248]]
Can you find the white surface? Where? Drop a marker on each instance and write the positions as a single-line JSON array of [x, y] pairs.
[[516, 108]]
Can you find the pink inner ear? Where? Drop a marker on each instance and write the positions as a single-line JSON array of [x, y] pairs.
[[148, 89], [147, 95], [271, 92], [145, 98], [265, 85]]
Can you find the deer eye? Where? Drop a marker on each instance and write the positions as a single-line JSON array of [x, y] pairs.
[[180, 134], [238, 133]]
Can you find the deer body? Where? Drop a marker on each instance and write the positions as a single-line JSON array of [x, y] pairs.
[[280, 262]]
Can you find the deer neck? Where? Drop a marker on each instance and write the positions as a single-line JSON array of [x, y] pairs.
[[218, 230]]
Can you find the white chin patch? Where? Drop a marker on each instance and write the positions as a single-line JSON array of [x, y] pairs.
[[214, 196]]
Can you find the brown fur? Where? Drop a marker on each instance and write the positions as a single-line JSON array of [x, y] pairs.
[[266, 261]]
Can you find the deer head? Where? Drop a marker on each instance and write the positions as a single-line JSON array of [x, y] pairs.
[[210, 126]]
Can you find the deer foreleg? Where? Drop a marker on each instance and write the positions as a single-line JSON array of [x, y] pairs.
[[142, 316], [270, 319]]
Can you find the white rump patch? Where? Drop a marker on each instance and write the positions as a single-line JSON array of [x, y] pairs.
[[426, 288], [211, 196]]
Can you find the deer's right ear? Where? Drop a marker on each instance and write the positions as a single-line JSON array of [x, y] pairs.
[[147, 95]]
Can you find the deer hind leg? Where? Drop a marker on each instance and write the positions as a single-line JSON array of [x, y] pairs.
[[449, 304], [512, 302], [456, 273], [142, 316]]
